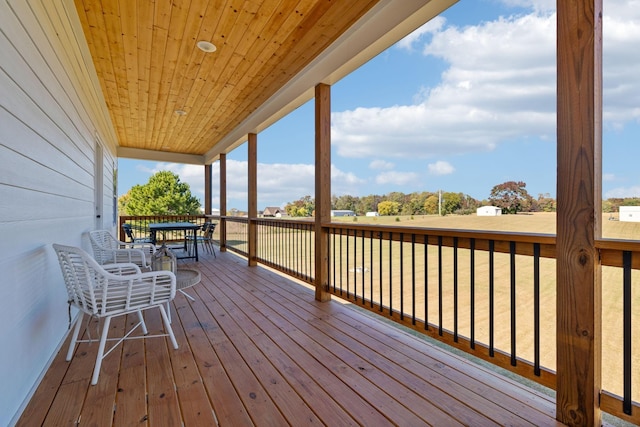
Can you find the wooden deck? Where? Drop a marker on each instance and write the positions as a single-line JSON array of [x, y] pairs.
[[257, 349]]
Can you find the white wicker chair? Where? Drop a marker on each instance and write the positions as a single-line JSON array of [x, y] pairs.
[[106, 291], [108, 250]]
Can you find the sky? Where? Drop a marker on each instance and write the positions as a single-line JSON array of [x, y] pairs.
[[465, 102]]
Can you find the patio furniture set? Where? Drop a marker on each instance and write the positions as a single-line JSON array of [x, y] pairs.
[[127, 278]]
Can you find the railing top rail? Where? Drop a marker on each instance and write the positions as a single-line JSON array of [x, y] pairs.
[[618, 244], [306, 222], [545, 239]]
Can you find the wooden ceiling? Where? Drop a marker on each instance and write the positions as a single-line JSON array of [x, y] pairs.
[[149, 66]]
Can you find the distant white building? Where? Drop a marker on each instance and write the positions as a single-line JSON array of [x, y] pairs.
[[488, 211], [372, 214], [629, 213], [342, 212]]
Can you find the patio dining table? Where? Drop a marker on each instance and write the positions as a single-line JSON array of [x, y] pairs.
[[177, 226]]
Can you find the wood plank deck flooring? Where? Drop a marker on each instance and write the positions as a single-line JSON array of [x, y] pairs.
[[255, 348]]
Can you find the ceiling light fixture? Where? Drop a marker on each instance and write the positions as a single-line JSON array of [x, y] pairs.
[[181, 112], [206, 46]]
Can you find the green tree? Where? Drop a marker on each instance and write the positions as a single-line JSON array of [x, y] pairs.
[[511, 197], [545, 203], [388, 208], [302, 207], [368, 204], [345, 202], [431, 205], [451, 202], [164, 194]]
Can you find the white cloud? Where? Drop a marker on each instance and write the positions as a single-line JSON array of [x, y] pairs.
[[440, 168], [381, 165], [608, 177], [396, 178], [499, 85], [622, 192], [278, 183], [345, 182]]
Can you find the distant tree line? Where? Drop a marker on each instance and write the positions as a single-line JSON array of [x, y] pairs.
[[613, 204], [510, 196]]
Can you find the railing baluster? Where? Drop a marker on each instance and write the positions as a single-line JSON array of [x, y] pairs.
[[401, 276], [536, 309], [426, 282], [348, 263], [355, 267], [626, 301], [333, 250], [380, 263], [341, 271], [362, 271], [512, 258], [455, 289], [472, 290], [440, 285], [413, 278], [491, 297], [371, 266], [391, 274]]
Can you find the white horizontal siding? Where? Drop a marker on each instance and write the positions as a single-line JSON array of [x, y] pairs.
[[51, 113]]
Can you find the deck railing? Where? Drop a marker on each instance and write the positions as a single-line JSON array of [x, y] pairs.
[[140, 225], [287, 246], [479, 292], [491, 294]]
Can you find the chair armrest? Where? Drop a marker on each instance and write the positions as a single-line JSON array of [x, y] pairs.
[[122, 269], [130, 292], [147, 247]]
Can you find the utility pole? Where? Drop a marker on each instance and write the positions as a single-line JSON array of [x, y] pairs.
[[439, 202]]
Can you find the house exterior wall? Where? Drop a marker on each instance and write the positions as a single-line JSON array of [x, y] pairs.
[[51, 117], [629, 213]]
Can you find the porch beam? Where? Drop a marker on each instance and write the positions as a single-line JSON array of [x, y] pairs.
[[323, 188], [253, 197], [579, 213], [223, 202]]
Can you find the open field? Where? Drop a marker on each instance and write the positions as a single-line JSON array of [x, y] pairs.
[[540, 222]]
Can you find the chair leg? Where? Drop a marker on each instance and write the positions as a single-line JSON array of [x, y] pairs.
[[74, 337], [167, 326], [187, 295], [142, 324], [100, 356]]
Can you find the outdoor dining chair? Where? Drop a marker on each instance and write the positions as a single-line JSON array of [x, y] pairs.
[[107, 291], [128, 231], [108, 250], [205, 239]]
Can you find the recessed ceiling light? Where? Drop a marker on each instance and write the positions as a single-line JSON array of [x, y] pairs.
[[206, 46], [181, 112]]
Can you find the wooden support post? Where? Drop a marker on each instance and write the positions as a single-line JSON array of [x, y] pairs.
[[253, 197], [223, 202], [579, 216], [207, 189], [323, 189]]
